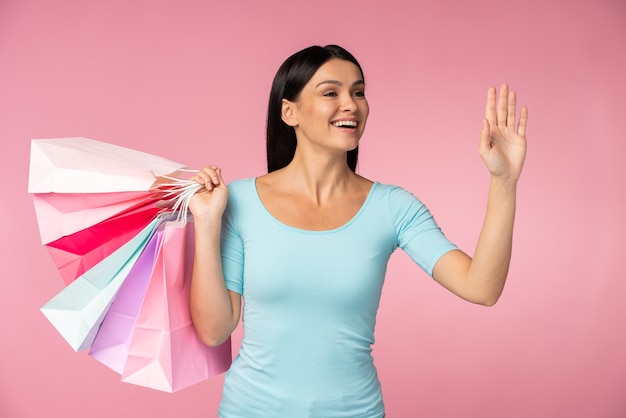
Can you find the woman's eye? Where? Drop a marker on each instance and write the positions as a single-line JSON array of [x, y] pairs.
[[330, 94], [359, 93]]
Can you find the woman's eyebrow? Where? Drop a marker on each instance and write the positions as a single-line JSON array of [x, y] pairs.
[[339, 83]]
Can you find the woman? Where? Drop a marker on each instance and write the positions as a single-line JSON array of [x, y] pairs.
[[307, 245]]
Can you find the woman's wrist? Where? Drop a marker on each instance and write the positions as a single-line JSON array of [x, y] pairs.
[[503, 182]]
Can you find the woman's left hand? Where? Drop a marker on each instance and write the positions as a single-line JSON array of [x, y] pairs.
[[502, 138]]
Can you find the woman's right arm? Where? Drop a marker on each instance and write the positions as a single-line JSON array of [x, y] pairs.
[[215, 310]]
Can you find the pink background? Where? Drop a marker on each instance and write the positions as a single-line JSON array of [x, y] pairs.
[[189, 80]]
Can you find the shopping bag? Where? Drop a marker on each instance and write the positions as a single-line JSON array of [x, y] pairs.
[[62, 214], [129, 301], [165, 353], [79, 309], [112, 342], [74, 254], [82, 165], [82, 189]]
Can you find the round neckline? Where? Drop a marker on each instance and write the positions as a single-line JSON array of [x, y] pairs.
[[350, 221]]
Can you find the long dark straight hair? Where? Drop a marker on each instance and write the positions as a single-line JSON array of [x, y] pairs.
[[289, 81]]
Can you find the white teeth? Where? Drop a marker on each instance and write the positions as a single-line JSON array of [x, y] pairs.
[[345, 124]]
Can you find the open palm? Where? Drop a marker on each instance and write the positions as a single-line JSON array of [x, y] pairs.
[[502, 140]]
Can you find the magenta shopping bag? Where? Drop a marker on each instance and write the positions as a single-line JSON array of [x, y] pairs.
[[77, 253]]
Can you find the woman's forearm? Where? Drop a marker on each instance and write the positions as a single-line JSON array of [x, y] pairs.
[[213, 311], [490, 264]]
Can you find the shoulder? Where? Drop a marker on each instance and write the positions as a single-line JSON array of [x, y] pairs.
[[240, 184], [240, 189], [240, 194], [398, 205], [394, 194]]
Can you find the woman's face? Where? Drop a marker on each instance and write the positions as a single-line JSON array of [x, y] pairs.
[[331, 111]]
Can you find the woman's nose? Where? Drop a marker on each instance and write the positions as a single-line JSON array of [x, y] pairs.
[[348, 103]]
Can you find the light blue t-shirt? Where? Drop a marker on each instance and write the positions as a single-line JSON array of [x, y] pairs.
[[310, 303]]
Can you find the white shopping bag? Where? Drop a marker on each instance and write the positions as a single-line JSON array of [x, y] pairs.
[[82, 165]]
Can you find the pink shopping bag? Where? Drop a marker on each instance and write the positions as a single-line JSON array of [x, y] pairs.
[[62, 214], [165, 352]]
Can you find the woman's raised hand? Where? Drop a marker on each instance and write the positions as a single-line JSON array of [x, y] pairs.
[[210, 201], [503, 138]]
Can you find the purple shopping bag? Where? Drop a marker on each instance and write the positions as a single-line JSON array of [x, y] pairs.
[[111, 344]]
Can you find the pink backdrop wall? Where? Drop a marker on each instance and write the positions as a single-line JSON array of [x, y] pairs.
[[189, 80]]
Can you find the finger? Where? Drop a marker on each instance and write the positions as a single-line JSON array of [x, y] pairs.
[[221, 183], [200, 177], [485, 138], [503, 104], [490, 108], [523, 120], [215, 176], [207, 177], [510, 119]]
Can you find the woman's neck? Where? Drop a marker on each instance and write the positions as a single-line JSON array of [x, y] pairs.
[[319, 179]]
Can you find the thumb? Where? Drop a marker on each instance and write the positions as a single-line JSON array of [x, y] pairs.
[[485, 138]]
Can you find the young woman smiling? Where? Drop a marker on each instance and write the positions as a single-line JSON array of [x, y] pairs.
[[306, 245]]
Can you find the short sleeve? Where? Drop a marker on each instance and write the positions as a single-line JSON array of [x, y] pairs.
[[417, 232], [232, 247]]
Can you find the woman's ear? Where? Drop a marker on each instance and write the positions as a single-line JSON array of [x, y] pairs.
[[288, 114]]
